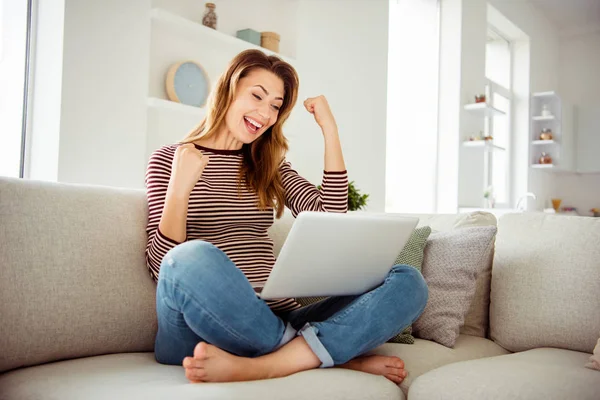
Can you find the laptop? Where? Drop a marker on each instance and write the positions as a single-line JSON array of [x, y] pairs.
[[333, 254]]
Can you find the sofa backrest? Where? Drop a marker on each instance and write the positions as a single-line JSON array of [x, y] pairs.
[[73, 280], [546, 282]]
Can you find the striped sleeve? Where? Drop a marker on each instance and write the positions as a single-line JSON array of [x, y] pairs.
[[301, 195], [158, 174]]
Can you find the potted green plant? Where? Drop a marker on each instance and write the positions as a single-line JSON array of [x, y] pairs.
[[356, 200]]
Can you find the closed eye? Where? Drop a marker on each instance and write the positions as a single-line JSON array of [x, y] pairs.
[[277, 108]]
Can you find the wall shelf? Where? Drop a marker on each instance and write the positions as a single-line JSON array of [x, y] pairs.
[[542, 142], [551, 93], [483, 109], [543, 166], [486, 144], [191, 28], [544, 118], [162, 104]]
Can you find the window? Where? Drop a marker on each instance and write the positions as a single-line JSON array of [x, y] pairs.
[[498, 91], [14, 34], [412, 107]]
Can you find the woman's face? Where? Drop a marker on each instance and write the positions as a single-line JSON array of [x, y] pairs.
[[256, 105]]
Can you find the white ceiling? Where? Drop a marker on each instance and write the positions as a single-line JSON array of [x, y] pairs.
[[568, 15]]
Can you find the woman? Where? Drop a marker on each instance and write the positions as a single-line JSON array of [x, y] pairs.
[[211, 199]]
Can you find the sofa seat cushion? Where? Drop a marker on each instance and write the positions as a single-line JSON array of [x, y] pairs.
[[139, 376], [544, 373], [425, 355]]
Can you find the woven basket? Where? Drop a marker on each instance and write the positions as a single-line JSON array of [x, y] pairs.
[[270, 40]]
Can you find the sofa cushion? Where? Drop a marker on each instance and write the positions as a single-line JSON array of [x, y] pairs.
[[543, 374], [546, 282], [424, 355], [452, 262], [139, 376], [74, 279]]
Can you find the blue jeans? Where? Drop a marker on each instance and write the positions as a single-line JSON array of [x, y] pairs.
[[202, 296]]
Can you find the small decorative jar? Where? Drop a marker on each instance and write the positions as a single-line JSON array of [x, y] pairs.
[[545, 158], [546, 111], [210, 17], [546, 134], [480, 98], [270, 41]]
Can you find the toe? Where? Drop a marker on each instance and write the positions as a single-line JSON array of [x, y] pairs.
[[395, 362], [394, 378], [397, 371], [195, 374], [201, 351]]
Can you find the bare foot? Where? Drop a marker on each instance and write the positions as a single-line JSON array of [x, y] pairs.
[[390, 367], [211, 364]]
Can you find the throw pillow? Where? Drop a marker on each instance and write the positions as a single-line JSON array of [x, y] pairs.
[[594, 362], [451, 264], [412, 255], [477, 318]]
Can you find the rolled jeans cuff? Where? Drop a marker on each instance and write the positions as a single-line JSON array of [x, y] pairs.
[[288, 335], [309, 333]]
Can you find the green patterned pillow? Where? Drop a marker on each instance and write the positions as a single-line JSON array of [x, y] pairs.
[[411, 254]]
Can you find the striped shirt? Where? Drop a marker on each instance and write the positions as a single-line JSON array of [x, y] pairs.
[[233, 223]]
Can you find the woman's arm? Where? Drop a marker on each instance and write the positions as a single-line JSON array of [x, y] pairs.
[[319, 107], [302, 195], [167, 212]]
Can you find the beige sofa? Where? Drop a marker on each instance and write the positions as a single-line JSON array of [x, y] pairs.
[[78, 312]]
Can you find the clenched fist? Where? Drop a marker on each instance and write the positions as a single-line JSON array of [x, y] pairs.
[[319, 107], [186, 170]]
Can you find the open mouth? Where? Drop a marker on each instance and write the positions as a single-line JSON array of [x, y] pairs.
[[251, 125]]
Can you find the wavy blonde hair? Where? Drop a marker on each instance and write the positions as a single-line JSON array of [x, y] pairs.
[[262, 158]]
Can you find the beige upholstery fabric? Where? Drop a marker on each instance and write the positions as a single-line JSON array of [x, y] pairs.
[[451, 265], [424, 355], [540, 374], [74, 279], [139, 376], [546, 282]]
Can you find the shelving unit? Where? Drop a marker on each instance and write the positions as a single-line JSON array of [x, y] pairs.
[[173, 39], [555, 148], [194, 29]]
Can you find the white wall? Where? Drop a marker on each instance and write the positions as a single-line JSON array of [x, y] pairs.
[[342, 52], [579, 83], [105, 80], [102, 98]]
